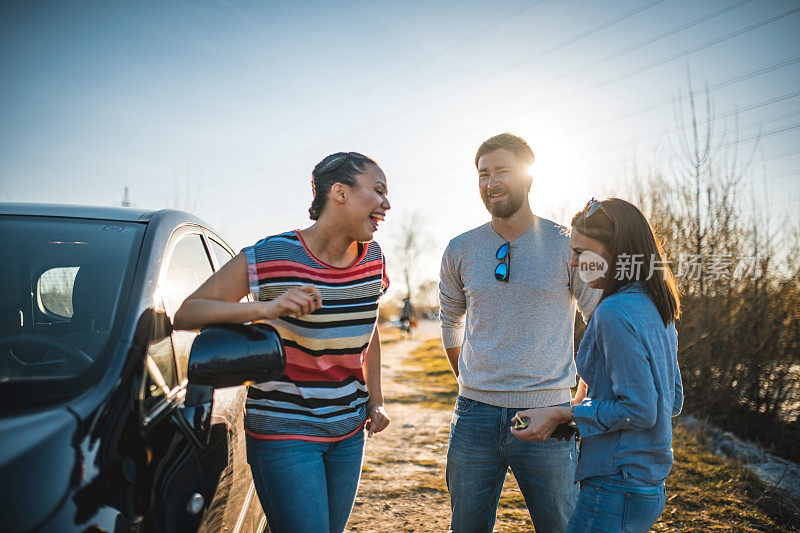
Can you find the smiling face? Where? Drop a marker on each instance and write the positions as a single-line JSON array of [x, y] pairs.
[[366, 204], [503, 182], [591, 259]]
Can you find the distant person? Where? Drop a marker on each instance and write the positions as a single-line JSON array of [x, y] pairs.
[[508, 297], [628, 357], [407, 321], [320, 288]]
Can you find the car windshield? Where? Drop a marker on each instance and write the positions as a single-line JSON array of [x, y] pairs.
[[63, 286]]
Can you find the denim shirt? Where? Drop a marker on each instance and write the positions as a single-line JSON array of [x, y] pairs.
[[629, 361]]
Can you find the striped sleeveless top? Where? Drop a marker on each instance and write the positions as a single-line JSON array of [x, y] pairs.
[[322, 395]]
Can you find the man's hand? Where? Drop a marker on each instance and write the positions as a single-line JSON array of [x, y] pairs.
[[296, 302], [452, 357], [378, 419], [542, 422]]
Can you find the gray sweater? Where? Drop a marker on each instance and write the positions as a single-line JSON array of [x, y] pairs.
[[516, 338]]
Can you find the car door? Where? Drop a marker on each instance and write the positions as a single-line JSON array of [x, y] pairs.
[[171, 485], [235, 506], [184, 476]]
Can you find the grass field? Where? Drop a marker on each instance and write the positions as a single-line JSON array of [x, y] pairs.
[[704, 492]]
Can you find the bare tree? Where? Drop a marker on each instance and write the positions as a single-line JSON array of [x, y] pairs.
[[739, 335], [412, 243]]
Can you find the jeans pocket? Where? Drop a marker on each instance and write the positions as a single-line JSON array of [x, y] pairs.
[[642, 510], [463, 405]]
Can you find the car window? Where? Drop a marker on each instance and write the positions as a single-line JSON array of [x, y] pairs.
[[223, 256], [222, 253], [64, 285], [188, 268], [161, 375], [54, 291]]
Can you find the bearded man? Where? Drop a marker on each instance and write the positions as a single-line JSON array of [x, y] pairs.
[[508, 297]]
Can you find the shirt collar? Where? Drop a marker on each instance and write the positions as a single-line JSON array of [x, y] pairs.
[[634, 286]]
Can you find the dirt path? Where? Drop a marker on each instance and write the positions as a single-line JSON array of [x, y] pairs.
[[402, 484]]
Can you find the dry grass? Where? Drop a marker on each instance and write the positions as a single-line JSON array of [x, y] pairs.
[[704, 492], [428, 365], [389, 335]]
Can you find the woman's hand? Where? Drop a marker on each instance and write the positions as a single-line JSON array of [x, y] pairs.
[[580, 394], [542, 422], [296, 302], [377, 419]]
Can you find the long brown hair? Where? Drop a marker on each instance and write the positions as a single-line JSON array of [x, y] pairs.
[[625, 232]]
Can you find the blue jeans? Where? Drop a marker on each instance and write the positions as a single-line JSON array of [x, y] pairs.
[[617, 503], [482, 449], [306, 486]]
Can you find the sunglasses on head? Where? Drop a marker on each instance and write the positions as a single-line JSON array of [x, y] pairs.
[[593, 206], [502, 270]]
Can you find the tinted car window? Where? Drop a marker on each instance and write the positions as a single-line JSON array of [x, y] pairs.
[[222, 253], [161, 376], [63, 283], [188, 268]]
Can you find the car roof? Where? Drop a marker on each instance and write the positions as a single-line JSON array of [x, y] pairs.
[[126, 214], [122, 214]]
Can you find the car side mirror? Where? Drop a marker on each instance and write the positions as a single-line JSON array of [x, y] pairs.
[[227, 355]]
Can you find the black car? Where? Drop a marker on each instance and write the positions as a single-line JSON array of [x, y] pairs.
[[100, 427]]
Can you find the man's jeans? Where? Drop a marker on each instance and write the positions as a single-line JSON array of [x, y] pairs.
[[480, 452], [306, 486]]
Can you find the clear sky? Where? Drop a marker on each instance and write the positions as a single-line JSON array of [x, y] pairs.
[[224, 107]]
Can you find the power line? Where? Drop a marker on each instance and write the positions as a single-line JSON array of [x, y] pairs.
[[601, 85], [663, 103], [539, 55], [628, 74], [651, 65], [760, 136], [669, 159], [622, 171], [637, 46], [660, 62], [461, 208], [589, 32], [662, 161], [782, 155], [731, 81], [435, 56], [328, 108], [658, 162], [770, 205], [636, 142], [756, 137], [697, 48], [776, 177]]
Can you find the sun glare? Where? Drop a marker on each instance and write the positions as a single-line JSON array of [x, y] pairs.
[[560, 172]]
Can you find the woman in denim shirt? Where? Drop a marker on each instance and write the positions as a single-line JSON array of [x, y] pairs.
[[628, 358]]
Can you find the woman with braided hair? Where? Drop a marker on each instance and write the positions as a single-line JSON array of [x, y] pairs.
[[319, 287]]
